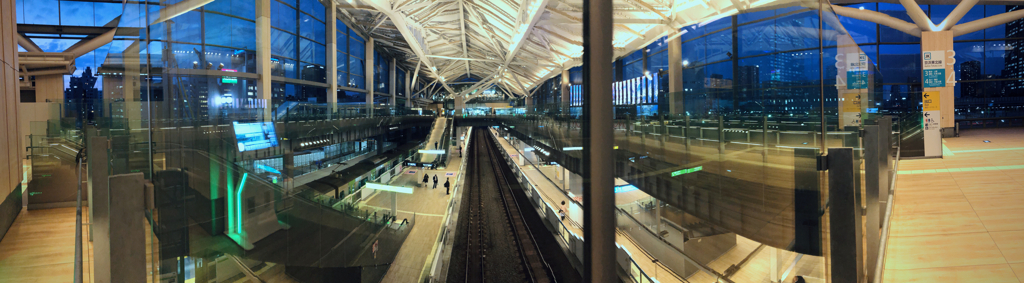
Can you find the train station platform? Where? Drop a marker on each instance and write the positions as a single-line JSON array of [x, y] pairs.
[[961, 218], [427, 207], [554, 195], [746, 261]]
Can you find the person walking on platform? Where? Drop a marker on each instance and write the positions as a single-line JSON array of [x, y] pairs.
[[435, 181], [562, 211], [425, 178], [435, 145], [447, 186]]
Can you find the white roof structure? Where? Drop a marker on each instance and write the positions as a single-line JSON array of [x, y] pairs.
[[519, 44]]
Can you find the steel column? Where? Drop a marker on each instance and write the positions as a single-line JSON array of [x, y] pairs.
[[598, 167]]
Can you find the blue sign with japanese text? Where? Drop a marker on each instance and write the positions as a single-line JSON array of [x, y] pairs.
[[935, 78], [857, 79]]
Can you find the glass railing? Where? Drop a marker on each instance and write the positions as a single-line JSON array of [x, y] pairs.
[[737, 150], [210, 210]]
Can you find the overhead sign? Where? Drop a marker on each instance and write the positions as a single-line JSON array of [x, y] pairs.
[[687, 171], [640, 90], [930, 123], [934, 68], [389, 188]]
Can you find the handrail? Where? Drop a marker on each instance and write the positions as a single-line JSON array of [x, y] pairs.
[[245, 269], [78, 219], [702, 267], [452, 205], [884, 238]]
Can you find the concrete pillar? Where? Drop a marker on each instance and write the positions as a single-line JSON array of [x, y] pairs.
[[460, 104], [120, 243], [263, 90], [942, 42], [392, 88], [332, 55], [675, 77], [565, 92], [369, 75]]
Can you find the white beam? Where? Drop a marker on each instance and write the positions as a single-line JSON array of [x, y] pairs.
[[523, 32], [957, 13], [28, 44], [90, 44], [918, 15], [460, 58], [178, 9], [878, 18], [411, 31], [462, 26], [987, 22]]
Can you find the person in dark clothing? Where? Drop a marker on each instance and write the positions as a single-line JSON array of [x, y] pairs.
[[447, 186], [425, 179], [435, 181], [460, 151], [435, 145], [799, 279]]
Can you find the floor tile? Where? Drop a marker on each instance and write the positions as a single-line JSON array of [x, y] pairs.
[[1018, 268], [956, 250], [1001, 273], [919, 224], [1011, 243], [1002, 219], [996, 201]]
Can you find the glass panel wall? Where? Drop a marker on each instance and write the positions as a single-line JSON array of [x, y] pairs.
[[726, 163]]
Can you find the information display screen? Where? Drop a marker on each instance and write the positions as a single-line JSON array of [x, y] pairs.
[[255, 136]]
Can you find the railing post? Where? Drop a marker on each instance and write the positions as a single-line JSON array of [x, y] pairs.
[[884, 148], [721, 134], [844, 218], [875, 181]]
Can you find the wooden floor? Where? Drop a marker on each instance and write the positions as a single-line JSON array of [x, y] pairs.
[[961, 218], [40, 247]]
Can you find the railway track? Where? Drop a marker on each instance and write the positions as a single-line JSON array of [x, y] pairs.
[[499, 246]]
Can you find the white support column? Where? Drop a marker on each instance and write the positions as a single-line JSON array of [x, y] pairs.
[[675, 77], [263, 90], [369, 76], [332, 55]]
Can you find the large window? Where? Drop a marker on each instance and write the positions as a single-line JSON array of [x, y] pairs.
[[381, 73], [351, 58], [988, 66], [298, 40]]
